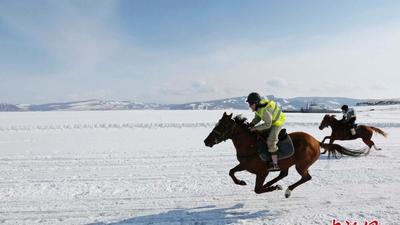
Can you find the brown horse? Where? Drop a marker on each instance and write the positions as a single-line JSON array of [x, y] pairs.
[[307, 151], [341, 131]]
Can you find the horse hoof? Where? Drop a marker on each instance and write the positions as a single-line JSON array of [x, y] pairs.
[[242, 183], [379, 149], [278, 187], [287, 193]]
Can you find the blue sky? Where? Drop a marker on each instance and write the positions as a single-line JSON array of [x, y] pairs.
[[172, 51]]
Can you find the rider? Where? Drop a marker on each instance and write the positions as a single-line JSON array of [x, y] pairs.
[[349, 118], [273, 117]]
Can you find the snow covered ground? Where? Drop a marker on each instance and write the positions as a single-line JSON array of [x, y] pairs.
[[151, 167]]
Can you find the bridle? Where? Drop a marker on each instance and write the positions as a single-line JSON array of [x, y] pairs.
[[223, 136], [227, 134], [326, 122]]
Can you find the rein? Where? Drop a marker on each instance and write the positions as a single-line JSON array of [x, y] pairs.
[[223, 136], [233, 132], [252, 155], [334, 123]]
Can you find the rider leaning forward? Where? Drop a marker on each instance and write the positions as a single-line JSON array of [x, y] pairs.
[[349, 118], [270, 113]]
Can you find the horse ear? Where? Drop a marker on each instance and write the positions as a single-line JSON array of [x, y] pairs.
[[230, 116], [224, 114]]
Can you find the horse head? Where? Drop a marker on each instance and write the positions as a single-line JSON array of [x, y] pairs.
[[326, 121], [221, 132]]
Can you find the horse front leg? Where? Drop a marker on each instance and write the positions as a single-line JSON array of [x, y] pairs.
[[281, 175], [232, 172], [331, 140], [326, 137]]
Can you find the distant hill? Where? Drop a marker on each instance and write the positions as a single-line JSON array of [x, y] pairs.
[[288, 104], [380, 102], [4, 107], [87, 105]]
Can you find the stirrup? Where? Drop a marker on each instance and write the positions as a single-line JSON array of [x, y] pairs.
[[274, 167]]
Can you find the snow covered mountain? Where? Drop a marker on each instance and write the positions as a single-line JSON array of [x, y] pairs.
[[380, 102], [88, 105], [288, 104], [4, 107]]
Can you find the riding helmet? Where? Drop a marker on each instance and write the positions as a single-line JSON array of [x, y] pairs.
[[253, 97]]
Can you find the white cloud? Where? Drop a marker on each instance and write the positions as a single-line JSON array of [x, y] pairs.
[[377, 87], [339, 65], [184, 93], [346, 64], [202, 87], [81, 37], [277, 83]]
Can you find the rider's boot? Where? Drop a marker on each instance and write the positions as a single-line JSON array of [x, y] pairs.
[[274, 166]]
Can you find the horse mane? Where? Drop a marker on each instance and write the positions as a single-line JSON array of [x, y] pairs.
[[336, 122], [241, 121], [334, 118]]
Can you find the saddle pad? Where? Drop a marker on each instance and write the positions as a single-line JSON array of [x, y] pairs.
[[286, 148]]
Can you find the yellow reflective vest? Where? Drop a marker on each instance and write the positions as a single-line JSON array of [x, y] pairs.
[[278, 117]]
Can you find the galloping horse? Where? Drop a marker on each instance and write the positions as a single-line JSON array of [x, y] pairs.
[[340, 131], [307, 151]]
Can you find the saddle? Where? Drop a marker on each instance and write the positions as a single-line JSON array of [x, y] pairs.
[[285, 146], [349, 126]]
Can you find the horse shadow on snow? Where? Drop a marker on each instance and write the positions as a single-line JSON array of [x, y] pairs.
[[206, 215]]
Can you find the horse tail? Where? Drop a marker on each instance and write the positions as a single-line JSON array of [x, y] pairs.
[[335, 148], [379, 131]]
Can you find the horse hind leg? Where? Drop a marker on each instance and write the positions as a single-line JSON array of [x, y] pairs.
[[370, 144], [305, 176], [376, 148]]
